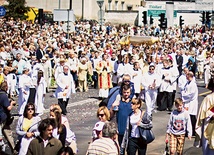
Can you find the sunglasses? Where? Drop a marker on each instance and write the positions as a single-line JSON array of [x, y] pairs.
[[30, 109], [101, 115], [126, 81]]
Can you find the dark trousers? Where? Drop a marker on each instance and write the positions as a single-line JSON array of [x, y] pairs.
[[63, 105], [165, 101], [136, 144], [173, 96], [75, 78], [31, 98], [193, 121], [95, 79], [120, 139]]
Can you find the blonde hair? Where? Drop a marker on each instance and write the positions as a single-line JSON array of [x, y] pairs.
[[55, 106], [137, 101], [105, 110]]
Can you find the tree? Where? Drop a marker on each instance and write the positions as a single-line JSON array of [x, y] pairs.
[[16, 9]]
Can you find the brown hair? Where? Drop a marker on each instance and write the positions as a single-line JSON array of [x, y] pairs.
[[4, 86], [40, 75], [178, 101], [58, 119]]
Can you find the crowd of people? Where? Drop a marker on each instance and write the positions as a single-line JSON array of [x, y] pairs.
[[34, 58]]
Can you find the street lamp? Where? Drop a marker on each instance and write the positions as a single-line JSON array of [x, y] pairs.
[[100, 4]]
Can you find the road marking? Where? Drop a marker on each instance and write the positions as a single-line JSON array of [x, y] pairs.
[[199, 82], [91, 100], [205, 93]]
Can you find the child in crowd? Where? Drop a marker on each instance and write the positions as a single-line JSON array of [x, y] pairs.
[[179, 124]]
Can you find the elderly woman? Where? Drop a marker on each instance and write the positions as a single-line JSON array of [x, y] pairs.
[[27, 127], [82, 74]]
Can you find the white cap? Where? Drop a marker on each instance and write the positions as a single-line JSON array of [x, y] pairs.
[[99, 126], [152, 65]]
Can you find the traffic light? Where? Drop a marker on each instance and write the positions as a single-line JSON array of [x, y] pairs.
[[144, 17], [203, 17], [40, 17], [163, 21], [164, 24], [151, 21], [181, 22], [208, 17]]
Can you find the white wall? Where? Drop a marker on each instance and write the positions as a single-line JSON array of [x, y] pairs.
[[189, 18], [120, 18]]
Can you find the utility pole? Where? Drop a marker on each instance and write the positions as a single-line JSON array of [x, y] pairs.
[[68, 26]]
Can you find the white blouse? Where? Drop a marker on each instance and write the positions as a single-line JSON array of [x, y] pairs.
[[133, 121]]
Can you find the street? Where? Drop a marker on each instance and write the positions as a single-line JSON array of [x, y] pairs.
[[82, 117]]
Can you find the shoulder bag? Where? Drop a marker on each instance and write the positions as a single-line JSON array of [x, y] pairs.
[[146, 134]]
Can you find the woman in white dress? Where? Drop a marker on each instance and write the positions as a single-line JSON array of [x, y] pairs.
[[24, 89], [40, 93]]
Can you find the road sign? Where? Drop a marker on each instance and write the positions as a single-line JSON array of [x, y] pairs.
[[64, 15], [155, 13], [2, 11]]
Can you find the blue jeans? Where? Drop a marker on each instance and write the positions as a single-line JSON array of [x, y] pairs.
[[135, 144]]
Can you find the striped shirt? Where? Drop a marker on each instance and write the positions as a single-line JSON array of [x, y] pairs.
[[103, 146]]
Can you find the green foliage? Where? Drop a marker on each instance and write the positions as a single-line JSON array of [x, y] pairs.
[[16, 9]]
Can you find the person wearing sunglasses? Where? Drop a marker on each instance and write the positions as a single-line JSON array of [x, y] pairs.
[[27, 128], [151, 82], [104, 116], [132, 141]]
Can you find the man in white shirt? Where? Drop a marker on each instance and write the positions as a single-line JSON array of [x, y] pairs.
[[190, 98], [151, 82]]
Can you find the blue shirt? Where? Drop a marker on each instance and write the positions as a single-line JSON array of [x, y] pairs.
[[124, 111], [4, 103]]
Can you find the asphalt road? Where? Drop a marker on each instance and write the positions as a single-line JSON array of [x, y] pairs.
[[82, 109]]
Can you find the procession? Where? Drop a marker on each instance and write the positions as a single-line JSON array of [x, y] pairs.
[[130, 66]]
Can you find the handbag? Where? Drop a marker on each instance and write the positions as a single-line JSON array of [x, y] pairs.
[[147, 135], [18, 145], [9, 119]]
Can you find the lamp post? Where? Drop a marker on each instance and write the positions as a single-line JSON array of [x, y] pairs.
[[100, 4]]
